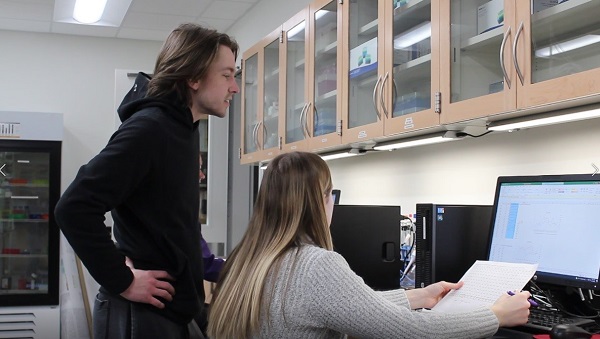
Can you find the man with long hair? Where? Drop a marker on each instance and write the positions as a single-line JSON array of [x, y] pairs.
[[147, 176], [284, 280]]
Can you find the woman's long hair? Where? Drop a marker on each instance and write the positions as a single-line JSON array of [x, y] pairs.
[[185, 56], [289, 211]]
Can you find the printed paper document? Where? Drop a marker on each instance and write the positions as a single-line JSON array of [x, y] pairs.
[[485, 282]]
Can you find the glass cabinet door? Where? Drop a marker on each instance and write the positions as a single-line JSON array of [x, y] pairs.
[[296, 103], [24, 223], [560, 61], [565, 39], [250, 104], [270, 125], [476, 38], [411, 80], [325, 70], [477, 73], [363, 60]]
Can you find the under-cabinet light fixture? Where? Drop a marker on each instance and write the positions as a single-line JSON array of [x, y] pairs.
[[411, 37], [342, 154], [545, 119], [567, 46], [418, 141]]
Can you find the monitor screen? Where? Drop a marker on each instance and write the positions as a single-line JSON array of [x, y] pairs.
[[553, 221], [336, 196]]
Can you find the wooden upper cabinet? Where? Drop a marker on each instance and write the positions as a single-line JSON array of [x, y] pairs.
[[325, 75], [392, 64], [295, 102], [558, 52], [261, 92], [477, 77], [507, 56], [412, 66], [362, 71], [364, 68], [250, 105]]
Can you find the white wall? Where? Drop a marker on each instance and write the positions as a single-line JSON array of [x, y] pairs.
[[263, 19], [71, 75], [465, 171]]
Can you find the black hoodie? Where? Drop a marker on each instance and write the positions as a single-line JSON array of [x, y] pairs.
[[147, 176]]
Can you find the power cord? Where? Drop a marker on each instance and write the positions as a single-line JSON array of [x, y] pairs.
[[408, 265], [551, 303], [464, 134]]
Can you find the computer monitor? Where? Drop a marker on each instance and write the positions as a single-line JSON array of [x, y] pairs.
[[553, 221], [336, 196]]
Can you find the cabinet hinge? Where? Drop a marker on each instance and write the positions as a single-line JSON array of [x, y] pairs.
[[240, 153], [438, 102], [281, 37], [280, 143], [338, 127]]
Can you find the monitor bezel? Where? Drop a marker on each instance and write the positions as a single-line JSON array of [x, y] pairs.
[[543, 277]]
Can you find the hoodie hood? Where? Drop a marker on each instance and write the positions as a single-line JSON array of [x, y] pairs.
[[136, 100]]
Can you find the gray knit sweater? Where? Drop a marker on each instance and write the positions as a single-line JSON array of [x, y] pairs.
[[324, 298]]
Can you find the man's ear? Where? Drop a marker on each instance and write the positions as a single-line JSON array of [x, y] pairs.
[[194, 84]]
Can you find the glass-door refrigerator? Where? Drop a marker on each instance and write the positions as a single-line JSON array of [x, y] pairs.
[[30, 162]]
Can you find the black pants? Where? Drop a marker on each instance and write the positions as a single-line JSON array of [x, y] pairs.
[[117, 318]]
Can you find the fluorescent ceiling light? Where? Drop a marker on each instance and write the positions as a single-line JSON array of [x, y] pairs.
[[568, 45], [432, 139], [411, 37], [67, 11], [533, 122], [88, 11]]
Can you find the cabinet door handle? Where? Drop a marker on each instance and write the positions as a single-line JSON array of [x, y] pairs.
[[515, 61], [306, 120], [375, 97], [265, 134], [395, 97], [304, 108], [381, 98], [255, 135], [506, 78]]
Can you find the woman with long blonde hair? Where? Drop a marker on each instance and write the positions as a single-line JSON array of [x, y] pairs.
[[284, 280]]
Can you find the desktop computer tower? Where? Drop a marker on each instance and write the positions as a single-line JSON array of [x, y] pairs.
[[449, 239], [368, 237]]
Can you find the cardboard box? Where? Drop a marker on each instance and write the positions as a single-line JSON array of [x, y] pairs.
[[540, 5], [490, 15], [363, 58]]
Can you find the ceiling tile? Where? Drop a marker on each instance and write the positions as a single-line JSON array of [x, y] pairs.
[[220, 25], [143, 34], [145, 19], [154, 21], [173, 7], [25, 10], [25, 25], [231, 10]]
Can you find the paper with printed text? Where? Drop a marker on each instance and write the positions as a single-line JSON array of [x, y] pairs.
[[485, 282]]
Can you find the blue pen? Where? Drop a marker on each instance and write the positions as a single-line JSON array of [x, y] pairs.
[[531, 301]]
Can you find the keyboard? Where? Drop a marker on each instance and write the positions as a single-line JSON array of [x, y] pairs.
[[544, 320]]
